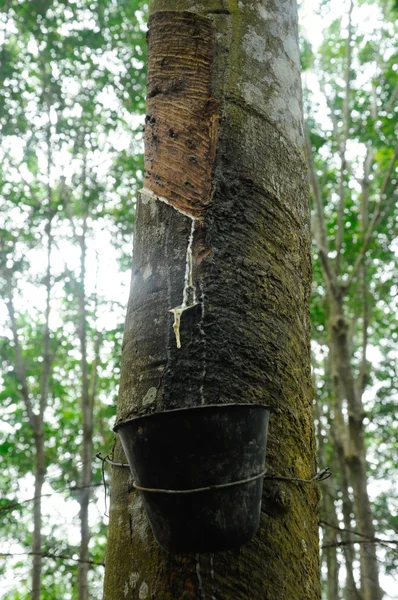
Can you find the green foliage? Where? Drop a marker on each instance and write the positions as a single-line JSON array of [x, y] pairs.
[[306, 54], [72, 89], [368, 118]]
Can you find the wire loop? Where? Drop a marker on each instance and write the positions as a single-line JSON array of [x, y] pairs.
[[208, 488], [320, 476]]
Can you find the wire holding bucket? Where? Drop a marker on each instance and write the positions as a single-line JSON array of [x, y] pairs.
[[319, 476]]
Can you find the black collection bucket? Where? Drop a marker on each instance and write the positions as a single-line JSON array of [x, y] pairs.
[[175, 453]]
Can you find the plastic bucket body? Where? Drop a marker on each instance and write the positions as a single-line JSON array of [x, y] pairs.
[[191, 448]]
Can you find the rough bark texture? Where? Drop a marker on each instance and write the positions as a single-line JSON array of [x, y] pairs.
[[246, 338], [181, 120]]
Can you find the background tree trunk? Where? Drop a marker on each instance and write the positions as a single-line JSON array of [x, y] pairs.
[[328, 514], [87, 426], [35, 414], [337, 440], [354, 206], [355, 451], [223, 108], [39, 474]]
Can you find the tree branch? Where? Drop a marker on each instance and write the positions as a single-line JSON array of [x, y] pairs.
[[377, 214], [365, 537], [75, 488], [368, 541], [51, 555], [391, 103], [320, 229], [20, 370], [365, 286], [47, 358], [97, 342], [343, 145], [64, 192]]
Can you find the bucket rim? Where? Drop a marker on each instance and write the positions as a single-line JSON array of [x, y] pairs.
[[121, 424]]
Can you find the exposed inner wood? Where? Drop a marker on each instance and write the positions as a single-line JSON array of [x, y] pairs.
[[182, 116]]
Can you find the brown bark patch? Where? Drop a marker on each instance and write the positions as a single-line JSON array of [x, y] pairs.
[[182, 116]]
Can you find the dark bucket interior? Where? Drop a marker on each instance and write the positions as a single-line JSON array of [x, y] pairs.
[[199, 447]]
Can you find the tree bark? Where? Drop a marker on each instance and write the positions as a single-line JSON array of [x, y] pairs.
[[35, 417], [39, 474], [355, 451], [226, 194], [338, 441], [328, 514], [87, 422], [38, 432], [343, 143]]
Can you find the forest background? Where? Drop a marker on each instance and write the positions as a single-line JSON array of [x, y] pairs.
[[72, 102]]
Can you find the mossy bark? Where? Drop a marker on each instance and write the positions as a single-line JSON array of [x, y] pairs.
[[246, 336]]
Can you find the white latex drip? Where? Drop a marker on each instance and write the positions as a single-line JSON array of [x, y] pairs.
[[202, 333], [188, 281], [189, 293]]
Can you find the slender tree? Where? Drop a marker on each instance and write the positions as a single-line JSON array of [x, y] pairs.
[[34, 406], [87, 406], [218, 310], [60, 64], [354, 212]]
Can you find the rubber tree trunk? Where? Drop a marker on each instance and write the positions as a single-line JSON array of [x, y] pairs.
[[223, 225]]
